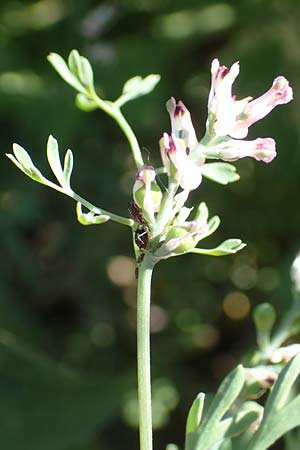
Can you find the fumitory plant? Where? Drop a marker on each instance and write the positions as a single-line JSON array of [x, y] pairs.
[[163, 225]]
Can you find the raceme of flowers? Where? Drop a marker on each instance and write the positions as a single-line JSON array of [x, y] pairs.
[[184, 157]]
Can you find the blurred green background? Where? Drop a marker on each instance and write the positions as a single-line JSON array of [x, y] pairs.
[[67, 293]]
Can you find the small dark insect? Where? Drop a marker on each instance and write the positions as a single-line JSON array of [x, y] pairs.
[[136, 213], [141, 236]]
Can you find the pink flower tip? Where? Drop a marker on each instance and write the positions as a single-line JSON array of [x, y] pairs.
[[284, 92], [265, 150]]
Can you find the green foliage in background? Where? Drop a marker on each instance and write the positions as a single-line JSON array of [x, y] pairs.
[[67, 323]]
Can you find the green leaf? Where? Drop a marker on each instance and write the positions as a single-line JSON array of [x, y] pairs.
[[54, 160], [230, 427], [195, 413], [227, 393], [137, 86], [207, 434], [228, 247], [81, 68], [86, 73], [219, 172], [22, 156], [280, 416], [68, 167], [202, 213], [74, 62], [240, 422], [276, 426], [63, 70], [85, 103], [281, 390], [212, 226], [90, 218], [23, 161]]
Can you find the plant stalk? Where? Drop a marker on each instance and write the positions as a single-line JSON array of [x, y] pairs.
[[114, 111], [143, 352]]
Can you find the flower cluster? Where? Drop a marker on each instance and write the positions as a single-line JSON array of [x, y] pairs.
[[185, 158]]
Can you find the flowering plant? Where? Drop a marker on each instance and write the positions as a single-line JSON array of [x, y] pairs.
[[161, 226]]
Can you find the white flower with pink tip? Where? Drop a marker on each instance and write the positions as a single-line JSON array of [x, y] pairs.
[[228, 116]]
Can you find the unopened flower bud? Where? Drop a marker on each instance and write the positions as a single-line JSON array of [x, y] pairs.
[[285, 354], [264, 317], [146, 192], [181, 239], [258, 379]]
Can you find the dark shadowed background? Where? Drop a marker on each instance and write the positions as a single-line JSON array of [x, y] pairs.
[[67, 292]]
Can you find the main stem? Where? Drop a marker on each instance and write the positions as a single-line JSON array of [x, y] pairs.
[[143, 352]]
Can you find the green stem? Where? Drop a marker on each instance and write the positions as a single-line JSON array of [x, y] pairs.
[[114, 111], [164, 214], [96, 210], [143, 352]]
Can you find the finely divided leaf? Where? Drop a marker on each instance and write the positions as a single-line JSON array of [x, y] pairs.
[[61, 67], [280, 416], [225, 396], [213, 427], [231, 427], [81, 69]]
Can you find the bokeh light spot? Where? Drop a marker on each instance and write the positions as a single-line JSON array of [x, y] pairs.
[[158, 319], [121, 270], [206, 336], [236, 305], [268, 279], [183, 24], [187, 319], [244, 276]]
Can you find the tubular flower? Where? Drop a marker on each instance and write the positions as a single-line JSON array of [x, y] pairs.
[[222, 106], [230, 117], [174, 155], [279, 94], [261, 149], [181, 123]]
